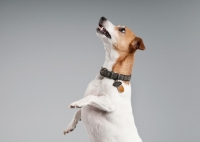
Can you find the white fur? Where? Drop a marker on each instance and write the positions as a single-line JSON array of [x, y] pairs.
[[106, 113]]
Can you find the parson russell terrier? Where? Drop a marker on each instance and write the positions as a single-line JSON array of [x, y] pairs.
[[106, 107]]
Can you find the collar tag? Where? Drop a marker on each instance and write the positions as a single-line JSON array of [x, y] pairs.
[[117, 83], [119, 86], [116, 77]]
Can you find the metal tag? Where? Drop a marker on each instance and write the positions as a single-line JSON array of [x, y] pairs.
[[120, 89], [117, 83]]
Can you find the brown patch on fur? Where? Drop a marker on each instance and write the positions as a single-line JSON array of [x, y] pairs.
[[127, 44]]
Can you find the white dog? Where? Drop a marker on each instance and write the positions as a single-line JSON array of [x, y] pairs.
[[106, 107]]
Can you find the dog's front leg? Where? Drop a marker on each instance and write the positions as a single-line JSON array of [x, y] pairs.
[[102, 102], [73, 123]]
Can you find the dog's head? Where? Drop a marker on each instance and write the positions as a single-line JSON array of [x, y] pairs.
[[120, 44], [121, 38]]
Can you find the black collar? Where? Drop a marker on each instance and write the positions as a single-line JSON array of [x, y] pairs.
[[115, 76]]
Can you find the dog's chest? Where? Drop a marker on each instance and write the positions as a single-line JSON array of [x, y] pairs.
[[103, 126], [105, 87]]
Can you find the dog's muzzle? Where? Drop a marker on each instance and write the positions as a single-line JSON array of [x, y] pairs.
[[101, 29]]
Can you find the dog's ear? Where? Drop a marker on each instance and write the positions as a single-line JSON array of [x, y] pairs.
[[137, 43]]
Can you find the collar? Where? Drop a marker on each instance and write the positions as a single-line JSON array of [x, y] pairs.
[[115, 76]]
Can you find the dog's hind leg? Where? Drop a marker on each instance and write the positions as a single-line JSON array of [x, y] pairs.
[[74, 122]]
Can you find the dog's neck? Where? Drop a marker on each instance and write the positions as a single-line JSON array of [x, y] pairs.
[[124, 64], [110, 57], [118, 62]]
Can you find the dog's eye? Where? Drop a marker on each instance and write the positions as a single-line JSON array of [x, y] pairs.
[[122, 30]]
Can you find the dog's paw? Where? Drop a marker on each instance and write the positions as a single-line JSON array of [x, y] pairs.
[[70, 127], [81, 103], [68, 130], [75, 105]]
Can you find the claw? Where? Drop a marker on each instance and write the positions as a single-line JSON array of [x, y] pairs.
[[75, 106], [72, 106], [65, 132]]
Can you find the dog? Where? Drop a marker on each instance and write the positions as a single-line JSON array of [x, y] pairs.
[[106, 107]]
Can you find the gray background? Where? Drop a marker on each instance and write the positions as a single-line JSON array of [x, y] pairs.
[[49, 53]]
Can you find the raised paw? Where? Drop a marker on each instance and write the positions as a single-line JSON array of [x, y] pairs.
[[67, 131], [70, 127], [79, 104], [74, 105]]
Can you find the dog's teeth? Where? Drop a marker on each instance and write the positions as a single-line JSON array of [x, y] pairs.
[[101, 28]]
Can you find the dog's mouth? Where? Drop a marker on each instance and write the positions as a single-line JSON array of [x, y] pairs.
[[102, 30]]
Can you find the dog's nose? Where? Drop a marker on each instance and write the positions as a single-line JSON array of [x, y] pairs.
[[102, 19]]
